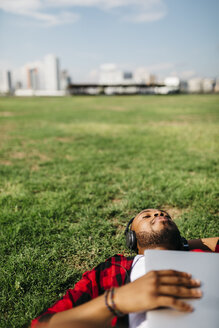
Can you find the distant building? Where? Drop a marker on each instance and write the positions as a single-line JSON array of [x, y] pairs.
[[183, 86], [30, 76], [195, 85], [39, 76], [199, 85], [18, 85], [172, 81], [32, 79], [109, 74], [5, 82], [115, 89], [20, 78], [41, 93], [216, 87], [171, 85], [52, 72], [152, 79], [208, 85], [127, 78], [65, 80]]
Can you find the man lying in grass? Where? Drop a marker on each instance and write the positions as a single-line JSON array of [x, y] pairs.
[[98, 300]]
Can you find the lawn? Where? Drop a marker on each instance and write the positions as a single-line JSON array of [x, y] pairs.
[[74, 170]]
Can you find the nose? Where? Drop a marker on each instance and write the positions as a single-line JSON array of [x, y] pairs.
[[159, 213]]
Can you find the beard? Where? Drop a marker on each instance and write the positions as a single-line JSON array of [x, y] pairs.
[[169, 237]]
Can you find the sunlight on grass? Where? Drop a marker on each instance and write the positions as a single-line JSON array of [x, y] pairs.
[[74, 170]]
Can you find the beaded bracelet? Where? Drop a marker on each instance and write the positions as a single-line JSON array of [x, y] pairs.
[[112, 308], [106, 302], [118, 313]]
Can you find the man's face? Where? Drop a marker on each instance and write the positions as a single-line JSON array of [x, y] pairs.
[[155, 228], [150, 220]]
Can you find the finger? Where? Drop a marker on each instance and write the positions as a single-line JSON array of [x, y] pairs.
[[179, 292], [162, 273], [174, 303], [179, 280]]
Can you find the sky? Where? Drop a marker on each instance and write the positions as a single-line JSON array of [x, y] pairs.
[[166, 37]]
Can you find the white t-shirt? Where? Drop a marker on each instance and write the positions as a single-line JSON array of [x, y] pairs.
[[137, 319]]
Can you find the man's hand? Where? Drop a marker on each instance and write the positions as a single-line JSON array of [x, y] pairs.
[[153, 290], [158, 289]]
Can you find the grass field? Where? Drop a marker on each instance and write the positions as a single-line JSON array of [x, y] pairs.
[[75, 170]]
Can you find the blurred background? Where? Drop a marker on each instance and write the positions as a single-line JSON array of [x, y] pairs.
[[75, 169], [108, 46]]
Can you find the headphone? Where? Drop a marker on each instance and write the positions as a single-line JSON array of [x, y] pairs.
[[131, 240]]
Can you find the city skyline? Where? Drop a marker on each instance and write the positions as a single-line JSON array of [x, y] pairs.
[[163, 37]]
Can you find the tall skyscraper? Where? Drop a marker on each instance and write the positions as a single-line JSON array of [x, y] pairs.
[[29, 76], [52, 72], [32, 79], [65, 80], [5, 82]]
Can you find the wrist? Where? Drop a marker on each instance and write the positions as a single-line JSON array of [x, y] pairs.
[[111, 302], [120, 299]]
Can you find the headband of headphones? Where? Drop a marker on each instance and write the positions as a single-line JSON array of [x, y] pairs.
[[127, 227]]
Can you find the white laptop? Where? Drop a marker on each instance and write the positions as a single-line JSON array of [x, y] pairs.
[[202, 266]]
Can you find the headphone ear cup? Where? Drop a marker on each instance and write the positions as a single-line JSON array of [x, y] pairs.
[[131, 240], [128, 239]]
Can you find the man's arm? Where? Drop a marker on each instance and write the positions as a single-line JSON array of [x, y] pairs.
[[153, 290], [205, 244], [110, 273], [93, 314]]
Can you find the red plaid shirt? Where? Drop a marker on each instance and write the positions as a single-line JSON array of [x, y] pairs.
[[114, 272]]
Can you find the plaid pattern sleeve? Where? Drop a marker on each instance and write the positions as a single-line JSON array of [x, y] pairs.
[[113, 272]]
